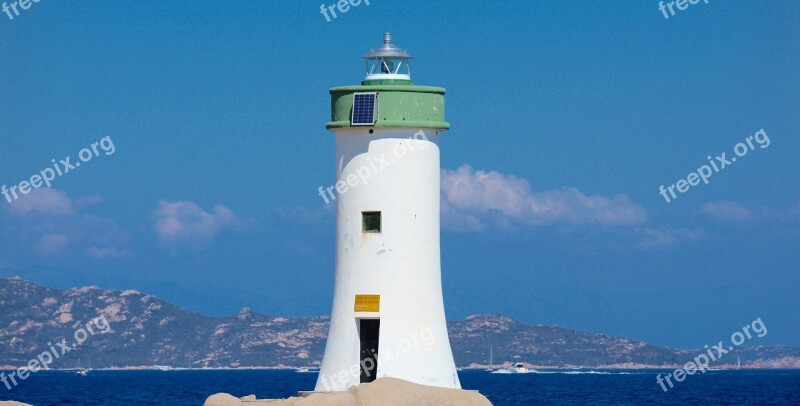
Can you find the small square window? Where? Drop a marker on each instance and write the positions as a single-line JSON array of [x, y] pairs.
[[371, 221]]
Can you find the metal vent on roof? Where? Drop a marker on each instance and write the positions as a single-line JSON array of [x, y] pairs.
[[364, 108]]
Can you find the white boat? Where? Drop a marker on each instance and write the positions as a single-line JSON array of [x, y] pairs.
[[162, 368], [491, 359], [518, 368], [79, 370], [306, 370]]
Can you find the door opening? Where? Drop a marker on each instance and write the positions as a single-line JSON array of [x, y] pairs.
[[369, 330]]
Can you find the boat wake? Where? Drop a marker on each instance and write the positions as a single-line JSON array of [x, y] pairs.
[[590, 373], [572, 372]]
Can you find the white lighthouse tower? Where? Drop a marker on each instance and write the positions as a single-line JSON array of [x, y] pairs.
[[388, 315]]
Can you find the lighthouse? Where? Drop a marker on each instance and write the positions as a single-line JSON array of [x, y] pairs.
[[388, 316]]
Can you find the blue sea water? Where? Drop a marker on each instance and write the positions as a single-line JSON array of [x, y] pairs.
[[586, 387]]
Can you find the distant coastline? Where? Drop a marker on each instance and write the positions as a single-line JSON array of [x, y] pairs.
[[146, 332], [468, 368]]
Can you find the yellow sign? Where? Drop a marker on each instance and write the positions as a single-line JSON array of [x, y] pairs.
[[368, 303]]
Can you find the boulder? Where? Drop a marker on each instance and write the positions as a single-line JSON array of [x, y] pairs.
[[383, 392], [327, 399], [222, 399], [397, 392]]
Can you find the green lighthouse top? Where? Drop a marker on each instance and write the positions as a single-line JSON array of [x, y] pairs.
[[387, 97]]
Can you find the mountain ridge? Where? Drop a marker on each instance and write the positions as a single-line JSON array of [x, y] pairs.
[[144, 331]]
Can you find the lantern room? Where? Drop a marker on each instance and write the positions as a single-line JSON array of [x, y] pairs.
[[387, 62]]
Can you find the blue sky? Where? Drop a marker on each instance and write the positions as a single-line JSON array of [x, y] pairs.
[[566, 118]]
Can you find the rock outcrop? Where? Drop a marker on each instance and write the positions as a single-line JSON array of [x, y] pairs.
[[383, 392]]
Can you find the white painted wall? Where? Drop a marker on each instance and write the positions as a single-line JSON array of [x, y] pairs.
[[402, 264]]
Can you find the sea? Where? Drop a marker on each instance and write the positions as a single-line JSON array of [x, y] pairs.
[[563, 387]]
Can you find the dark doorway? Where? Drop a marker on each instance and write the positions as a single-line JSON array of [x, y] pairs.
[[369, 330]]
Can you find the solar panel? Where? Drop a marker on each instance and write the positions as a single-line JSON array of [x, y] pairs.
[[364, 106]]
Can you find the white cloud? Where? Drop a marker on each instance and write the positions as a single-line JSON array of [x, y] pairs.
[[88, 201], [52, 244], [470, 199], [49, 222], [185, 222], [794, 211], [458, 220], [108, 253], [726, 211], [306, 216], [664, 238], [46, 201]]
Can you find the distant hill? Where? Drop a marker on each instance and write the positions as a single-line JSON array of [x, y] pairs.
[[550, 345], [148, 331]]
